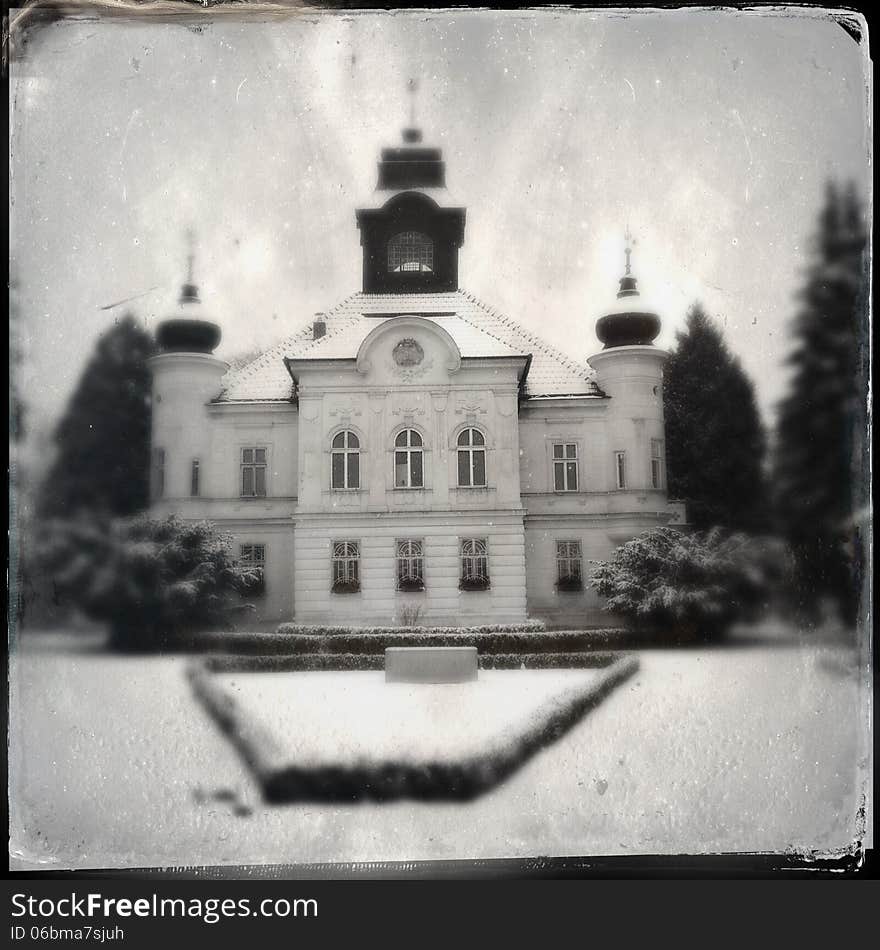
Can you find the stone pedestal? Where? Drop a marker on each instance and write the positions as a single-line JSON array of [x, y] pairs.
[[430, 664]]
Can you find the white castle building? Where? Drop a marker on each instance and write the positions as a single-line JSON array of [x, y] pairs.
[[412, 451]]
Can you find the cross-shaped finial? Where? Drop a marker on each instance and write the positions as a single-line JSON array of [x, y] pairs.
[[191, 255], [413, 87], [628, 252]]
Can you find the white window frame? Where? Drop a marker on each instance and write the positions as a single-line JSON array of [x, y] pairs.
[[410, 252], [620, 469], [253, 465], [657, 466], [195, 478], [470, 449], [411, 563], [346, 451], [252, 554], [569, 561], [562, 462], [345, 563], [409, 450], [474, 561]]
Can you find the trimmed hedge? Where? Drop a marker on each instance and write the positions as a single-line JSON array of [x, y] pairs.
[[294, 663], [547, 661], [302, 662], [320, 630], [374, 642], [386, 780]]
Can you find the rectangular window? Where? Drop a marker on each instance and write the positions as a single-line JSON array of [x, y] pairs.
[[410, 566], [401, 469], [346, 567], [253, 473], [252, 559], [565, 466], [620, 468], [194, 486], [417, 476], [472, 468], [657, 463], [252, 555], [464, 469], [408, 469], [158, 473], [474, 564], [569, 565], [345, 470], [337, 465], [479, 468]]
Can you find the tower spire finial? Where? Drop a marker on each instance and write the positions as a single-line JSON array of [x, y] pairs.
[[628, 283], [412, 133], [191, 254], [189, 292], [413, 87]]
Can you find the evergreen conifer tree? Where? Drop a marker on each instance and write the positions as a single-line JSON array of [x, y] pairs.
[[103, 438], [715, 441], [820, 460]]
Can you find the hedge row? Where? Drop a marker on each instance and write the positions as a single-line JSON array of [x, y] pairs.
[[484, 642], [302, 662], [293, 663], [269, 644], [384, 780], [318, 630], [547, 661]]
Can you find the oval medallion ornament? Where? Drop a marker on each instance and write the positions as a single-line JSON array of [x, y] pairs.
[[408, 353]]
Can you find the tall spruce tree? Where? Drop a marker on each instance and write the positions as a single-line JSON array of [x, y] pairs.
[[820, 460], [16, 358], [715, 442], [103, 438]]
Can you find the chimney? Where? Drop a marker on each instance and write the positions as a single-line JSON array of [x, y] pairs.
[[319, 327]]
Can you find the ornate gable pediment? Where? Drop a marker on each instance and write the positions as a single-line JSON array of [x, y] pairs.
[[408, 349]]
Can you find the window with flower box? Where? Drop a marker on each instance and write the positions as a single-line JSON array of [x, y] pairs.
[[569, 566], [410, 566], [346, 567], [474, 564]]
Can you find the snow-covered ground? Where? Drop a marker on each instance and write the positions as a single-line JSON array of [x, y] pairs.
[[756, 748], [324, 719]]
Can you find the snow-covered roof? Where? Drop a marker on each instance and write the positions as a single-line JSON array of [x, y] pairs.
[[478, 330]]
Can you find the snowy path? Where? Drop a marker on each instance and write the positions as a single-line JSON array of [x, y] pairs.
[[113, 763]]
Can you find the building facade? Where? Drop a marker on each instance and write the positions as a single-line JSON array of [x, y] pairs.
[[412, 454]]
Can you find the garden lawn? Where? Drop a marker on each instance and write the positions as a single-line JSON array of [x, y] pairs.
[[325, 719], [114, 763]]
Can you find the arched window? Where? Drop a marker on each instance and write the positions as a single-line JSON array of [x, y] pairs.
[[346, 567], [345, 461], [408, 468], [471, 458], [474, 564], [410, 251], [410, 566]]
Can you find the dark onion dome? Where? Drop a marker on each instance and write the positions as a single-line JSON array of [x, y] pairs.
[[187, 336], [188, 332], [628, 322]]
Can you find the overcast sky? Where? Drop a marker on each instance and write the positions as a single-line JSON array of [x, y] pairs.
[[710, 134]]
